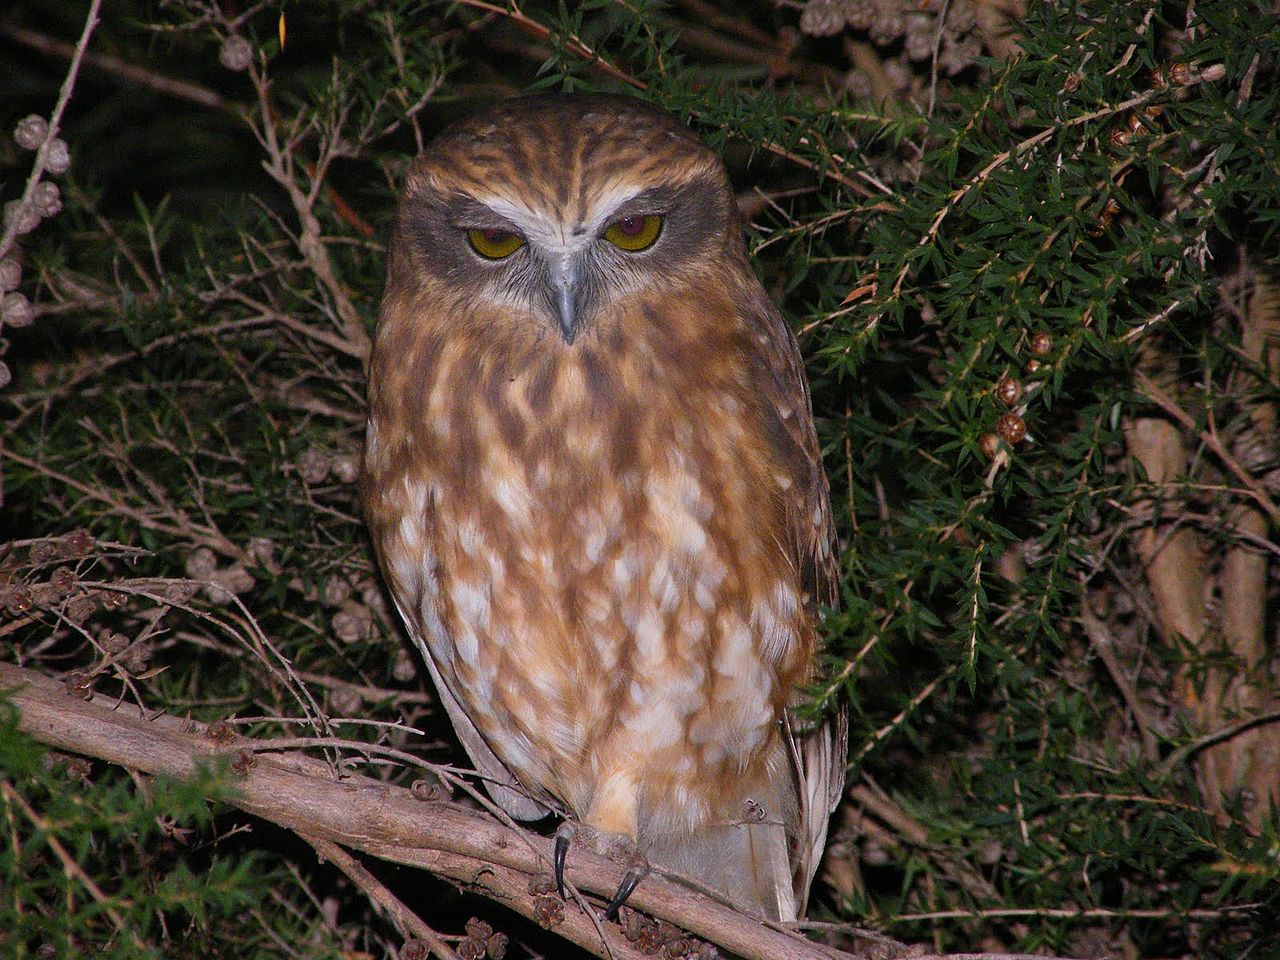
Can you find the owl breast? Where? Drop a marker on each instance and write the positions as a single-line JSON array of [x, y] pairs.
[[605, 592]]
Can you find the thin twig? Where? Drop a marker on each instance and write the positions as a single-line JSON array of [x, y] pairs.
[[55, 121], [408, 922]]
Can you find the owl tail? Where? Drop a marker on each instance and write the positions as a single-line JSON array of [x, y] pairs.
[[762, 853], [748, 856], [746, 863]]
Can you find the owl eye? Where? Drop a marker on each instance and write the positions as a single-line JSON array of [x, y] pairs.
[[634, 234], [495, 244]]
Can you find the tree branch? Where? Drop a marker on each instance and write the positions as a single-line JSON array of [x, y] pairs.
[[299, 793]]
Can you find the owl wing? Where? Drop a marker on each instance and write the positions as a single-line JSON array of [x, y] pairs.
[[498, 780], [817, 751], [384, 510]]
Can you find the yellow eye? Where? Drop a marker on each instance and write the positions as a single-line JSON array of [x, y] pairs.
[[634, 234], [495, 244]]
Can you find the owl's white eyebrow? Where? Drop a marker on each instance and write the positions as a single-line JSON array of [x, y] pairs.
[[555, 235]]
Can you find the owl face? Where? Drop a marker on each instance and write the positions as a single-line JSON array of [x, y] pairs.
[[557, 208]]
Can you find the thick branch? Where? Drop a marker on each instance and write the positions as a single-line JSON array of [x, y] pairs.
[[299, 793]]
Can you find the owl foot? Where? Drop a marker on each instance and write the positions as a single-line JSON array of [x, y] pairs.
[[617, 847]]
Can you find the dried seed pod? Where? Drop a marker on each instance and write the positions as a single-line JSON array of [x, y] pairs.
[[15, 311], [415, 950], [235, 53], [77, 543], [57, 160], [337, 591], [403, 668], [262, 551], [371, 597], [313, 465], [1008, 390], [220, 732], [477, 929], [201, 564], [354, 622], [24, 216], [1157, 78], [1180, 74], [112, 641], [1032, 365], [10, 274], [79, 684], [1011, 428], [1072, 83], [1041, 343], [243, 762], [63, 580], [989, 444], [548, 912], [496, 945], [345, 701], [47, 198], [31, 131], [1119, 137]]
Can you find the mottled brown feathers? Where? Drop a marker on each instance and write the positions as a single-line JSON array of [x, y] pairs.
[[608, 531]]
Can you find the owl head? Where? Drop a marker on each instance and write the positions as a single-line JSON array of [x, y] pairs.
[[548, 211]]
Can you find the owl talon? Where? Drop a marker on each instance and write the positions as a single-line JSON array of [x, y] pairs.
[[616, 846], [630, 880], [562, 850]]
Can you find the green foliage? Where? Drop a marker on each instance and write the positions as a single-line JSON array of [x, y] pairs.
[[1061, 221]]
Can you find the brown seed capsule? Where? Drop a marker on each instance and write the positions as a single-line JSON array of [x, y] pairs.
[[24, 217], [31, 132], [47, 198], [1135, 122], [79, 684], [243, 762], [10, 274], [78, 543], [235, 53], [1008, 390], [112, 642], [548, 911], [1154, 111], [15, 311], [1157, 78], [1012, 429], [1180, 74], [1119, 137], [1041, 343], [58, 158], [220, 732], [1072, 83], [1032, 365], [415, 950], [989, 444]]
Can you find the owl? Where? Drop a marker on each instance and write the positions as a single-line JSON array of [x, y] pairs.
[[595, 491]]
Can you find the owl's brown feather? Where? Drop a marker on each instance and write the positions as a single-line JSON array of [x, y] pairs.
[[610, 546]]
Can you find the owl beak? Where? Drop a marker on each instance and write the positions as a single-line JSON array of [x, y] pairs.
[[564, 285]]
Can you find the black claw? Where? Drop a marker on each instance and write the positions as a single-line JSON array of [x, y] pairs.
[[562, 850], [630, 880]]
